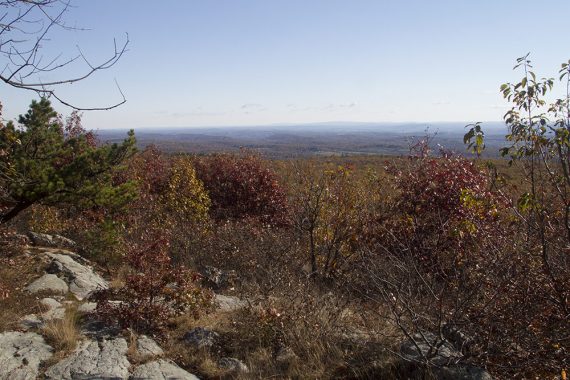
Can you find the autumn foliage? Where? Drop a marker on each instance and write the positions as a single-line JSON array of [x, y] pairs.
[[154, 291], [243, 187], [443, 208]]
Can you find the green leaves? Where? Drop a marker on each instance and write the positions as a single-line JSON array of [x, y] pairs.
[[475, 139], [49, 161]]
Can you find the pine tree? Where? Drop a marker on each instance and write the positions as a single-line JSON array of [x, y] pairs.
[[49, 161]]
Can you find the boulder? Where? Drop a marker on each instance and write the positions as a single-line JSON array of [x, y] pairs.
[[444, 354], [148, 347], [50, 303], [160, 370], [232, 364], [83, 281], [55, 309], [21, 355], [104, 359], [87, 307], [48, 283], [444, 359], [45, 240], [462, 372], [229, 303], [31, 322], [200, 337]]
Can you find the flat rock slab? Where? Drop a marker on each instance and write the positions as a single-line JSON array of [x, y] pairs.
[[161, 370], [148, 347], [48, 283], [55, 310], [105, 359], [21, 355], [81, 278], [229, 303], [87, 307]]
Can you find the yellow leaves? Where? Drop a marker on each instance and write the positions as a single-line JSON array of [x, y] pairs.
[[185, 193]]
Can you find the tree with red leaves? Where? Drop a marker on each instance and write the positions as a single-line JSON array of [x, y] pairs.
[[243, 187]]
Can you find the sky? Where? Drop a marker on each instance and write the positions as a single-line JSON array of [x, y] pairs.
[[257, 62]]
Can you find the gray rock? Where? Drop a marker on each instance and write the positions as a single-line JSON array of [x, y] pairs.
[[21, 355], [444, 359], [87, 307], [30, 322], [81, 278], [45, 240], [48, 283], [148, 347], [461, 372], [432, 348], [232, 364], [104, 359], [50, 303], [55, 309], [161, 370], [229, 303], [200, 337]]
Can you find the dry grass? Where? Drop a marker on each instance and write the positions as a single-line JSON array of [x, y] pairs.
[[16, 272], [293, 347], [63, 334], [118, 279]]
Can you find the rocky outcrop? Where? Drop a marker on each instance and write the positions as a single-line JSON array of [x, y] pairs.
[[21, 355], [87, 307], [148, 347], [82, 280], [48, 283], [161, 370], [55, 310], [55, 241], [104, 359]]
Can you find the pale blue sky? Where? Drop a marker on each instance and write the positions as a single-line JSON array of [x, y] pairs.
[[256, 62]]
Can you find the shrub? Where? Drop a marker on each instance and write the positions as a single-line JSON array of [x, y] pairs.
[[442, 208], [170, 197], [184, 196], [332, 207], [154, 291], [529, 336], [243, 187]]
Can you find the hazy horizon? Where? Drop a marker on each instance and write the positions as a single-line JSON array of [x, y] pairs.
[[254, 62]]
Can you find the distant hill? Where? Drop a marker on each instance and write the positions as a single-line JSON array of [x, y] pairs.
[[331, 138]]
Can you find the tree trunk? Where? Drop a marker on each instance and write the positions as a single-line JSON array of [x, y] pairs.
[[11, 214]]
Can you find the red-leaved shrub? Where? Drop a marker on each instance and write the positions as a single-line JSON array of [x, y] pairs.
[[443, 207], [154, 291], [242, 187]]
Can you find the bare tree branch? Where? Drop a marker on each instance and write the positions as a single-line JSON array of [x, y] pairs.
[[24, 29]]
